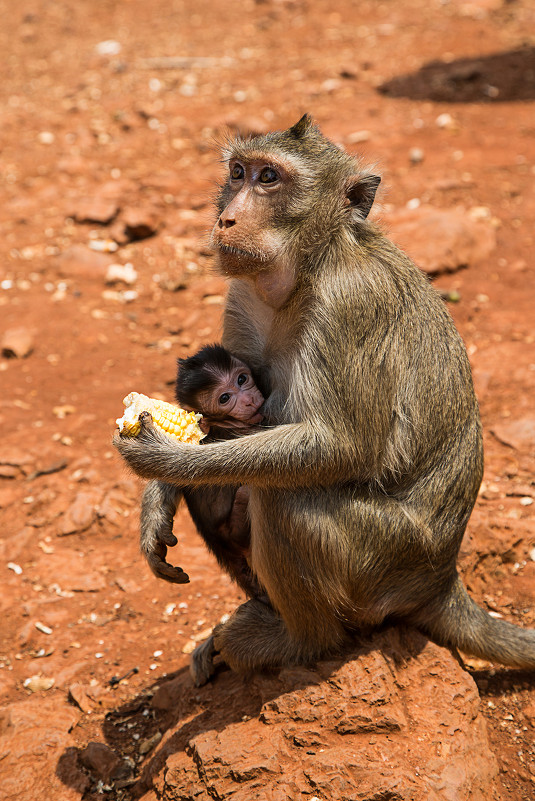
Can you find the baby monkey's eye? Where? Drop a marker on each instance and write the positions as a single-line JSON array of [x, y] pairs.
[[237, 172], [224, 398], [242, 378], [268, 176]]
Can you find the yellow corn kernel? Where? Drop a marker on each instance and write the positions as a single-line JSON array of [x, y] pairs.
[[174, 421]]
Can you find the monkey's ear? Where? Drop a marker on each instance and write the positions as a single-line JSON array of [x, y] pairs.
[[360, 193], [301, 128]]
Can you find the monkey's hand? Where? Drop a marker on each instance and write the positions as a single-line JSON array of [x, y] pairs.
[[161, 568], [146, 452]]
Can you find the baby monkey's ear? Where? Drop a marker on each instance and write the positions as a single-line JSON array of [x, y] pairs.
[[360, 193]]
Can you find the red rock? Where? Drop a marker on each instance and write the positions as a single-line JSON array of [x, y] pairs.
[[95, 210], [33, 733], [17, 342], [140, 223], [13, 546], [17, 457], [397, 719], [113, 506], [441, 240], [8, 471], [516, 433], [81, 513], [167, 695], [100, 760], [8, 496], [81, 262], [246, 126], [70, 570]]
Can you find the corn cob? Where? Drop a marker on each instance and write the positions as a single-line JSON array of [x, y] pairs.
[[175, 422]]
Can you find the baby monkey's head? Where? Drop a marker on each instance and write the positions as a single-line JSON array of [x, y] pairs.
[[221, 387]]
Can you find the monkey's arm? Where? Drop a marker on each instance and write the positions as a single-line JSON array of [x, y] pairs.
[[294, 455], [158, 508]]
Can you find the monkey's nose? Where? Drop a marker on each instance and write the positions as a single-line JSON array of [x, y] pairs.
[[226, 222]]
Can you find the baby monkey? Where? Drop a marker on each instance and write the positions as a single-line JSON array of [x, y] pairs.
[[222, 388]]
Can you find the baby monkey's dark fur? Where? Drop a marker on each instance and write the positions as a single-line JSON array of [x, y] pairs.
[[224, 529], [362, 486], [196, 373]]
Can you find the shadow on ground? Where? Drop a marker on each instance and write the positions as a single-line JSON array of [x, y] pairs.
[[499, 77]]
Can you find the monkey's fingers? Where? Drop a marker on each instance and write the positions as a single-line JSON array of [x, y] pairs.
[[145, 418], [163, 570], [138, 452]]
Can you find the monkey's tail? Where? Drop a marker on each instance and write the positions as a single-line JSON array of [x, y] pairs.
[[461, 623]]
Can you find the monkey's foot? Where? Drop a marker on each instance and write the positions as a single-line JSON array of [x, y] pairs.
[[202, 662]]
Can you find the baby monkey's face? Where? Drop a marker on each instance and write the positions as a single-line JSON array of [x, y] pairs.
[[234, 395]]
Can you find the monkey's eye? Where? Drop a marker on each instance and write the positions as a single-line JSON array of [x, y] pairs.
[[242, 378], [268, 176], [224, 398], [237, 172]]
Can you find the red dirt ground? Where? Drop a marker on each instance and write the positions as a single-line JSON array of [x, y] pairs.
[[119, 146]]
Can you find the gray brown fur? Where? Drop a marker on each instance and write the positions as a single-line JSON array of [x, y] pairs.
[[361, 489]]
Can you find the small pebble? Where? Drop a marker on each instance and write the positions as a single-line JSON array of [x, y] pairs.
[[121, 272], [109, 47], [444, 121], [42, 628], [46, 137], [37, 683], [103, 245], [148, 745], [358, 136]]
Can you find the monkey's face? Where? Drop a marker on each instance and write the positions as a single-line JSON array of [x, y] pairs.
[[233, 396], [244, 236]]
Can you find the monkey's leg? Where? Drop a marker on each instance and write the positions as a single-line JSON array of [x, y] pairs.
[[257, 638]]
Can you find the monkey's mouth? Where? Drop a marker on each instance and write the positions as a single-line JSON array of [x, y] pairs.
[[257, 416], [231, 250]]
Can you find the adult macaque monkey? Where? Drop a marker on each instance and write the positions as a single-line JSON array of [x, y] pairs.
[[361, 490]]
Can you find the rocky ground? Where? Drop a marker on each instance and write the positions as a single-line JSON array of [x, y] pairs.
[[110, 114]]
